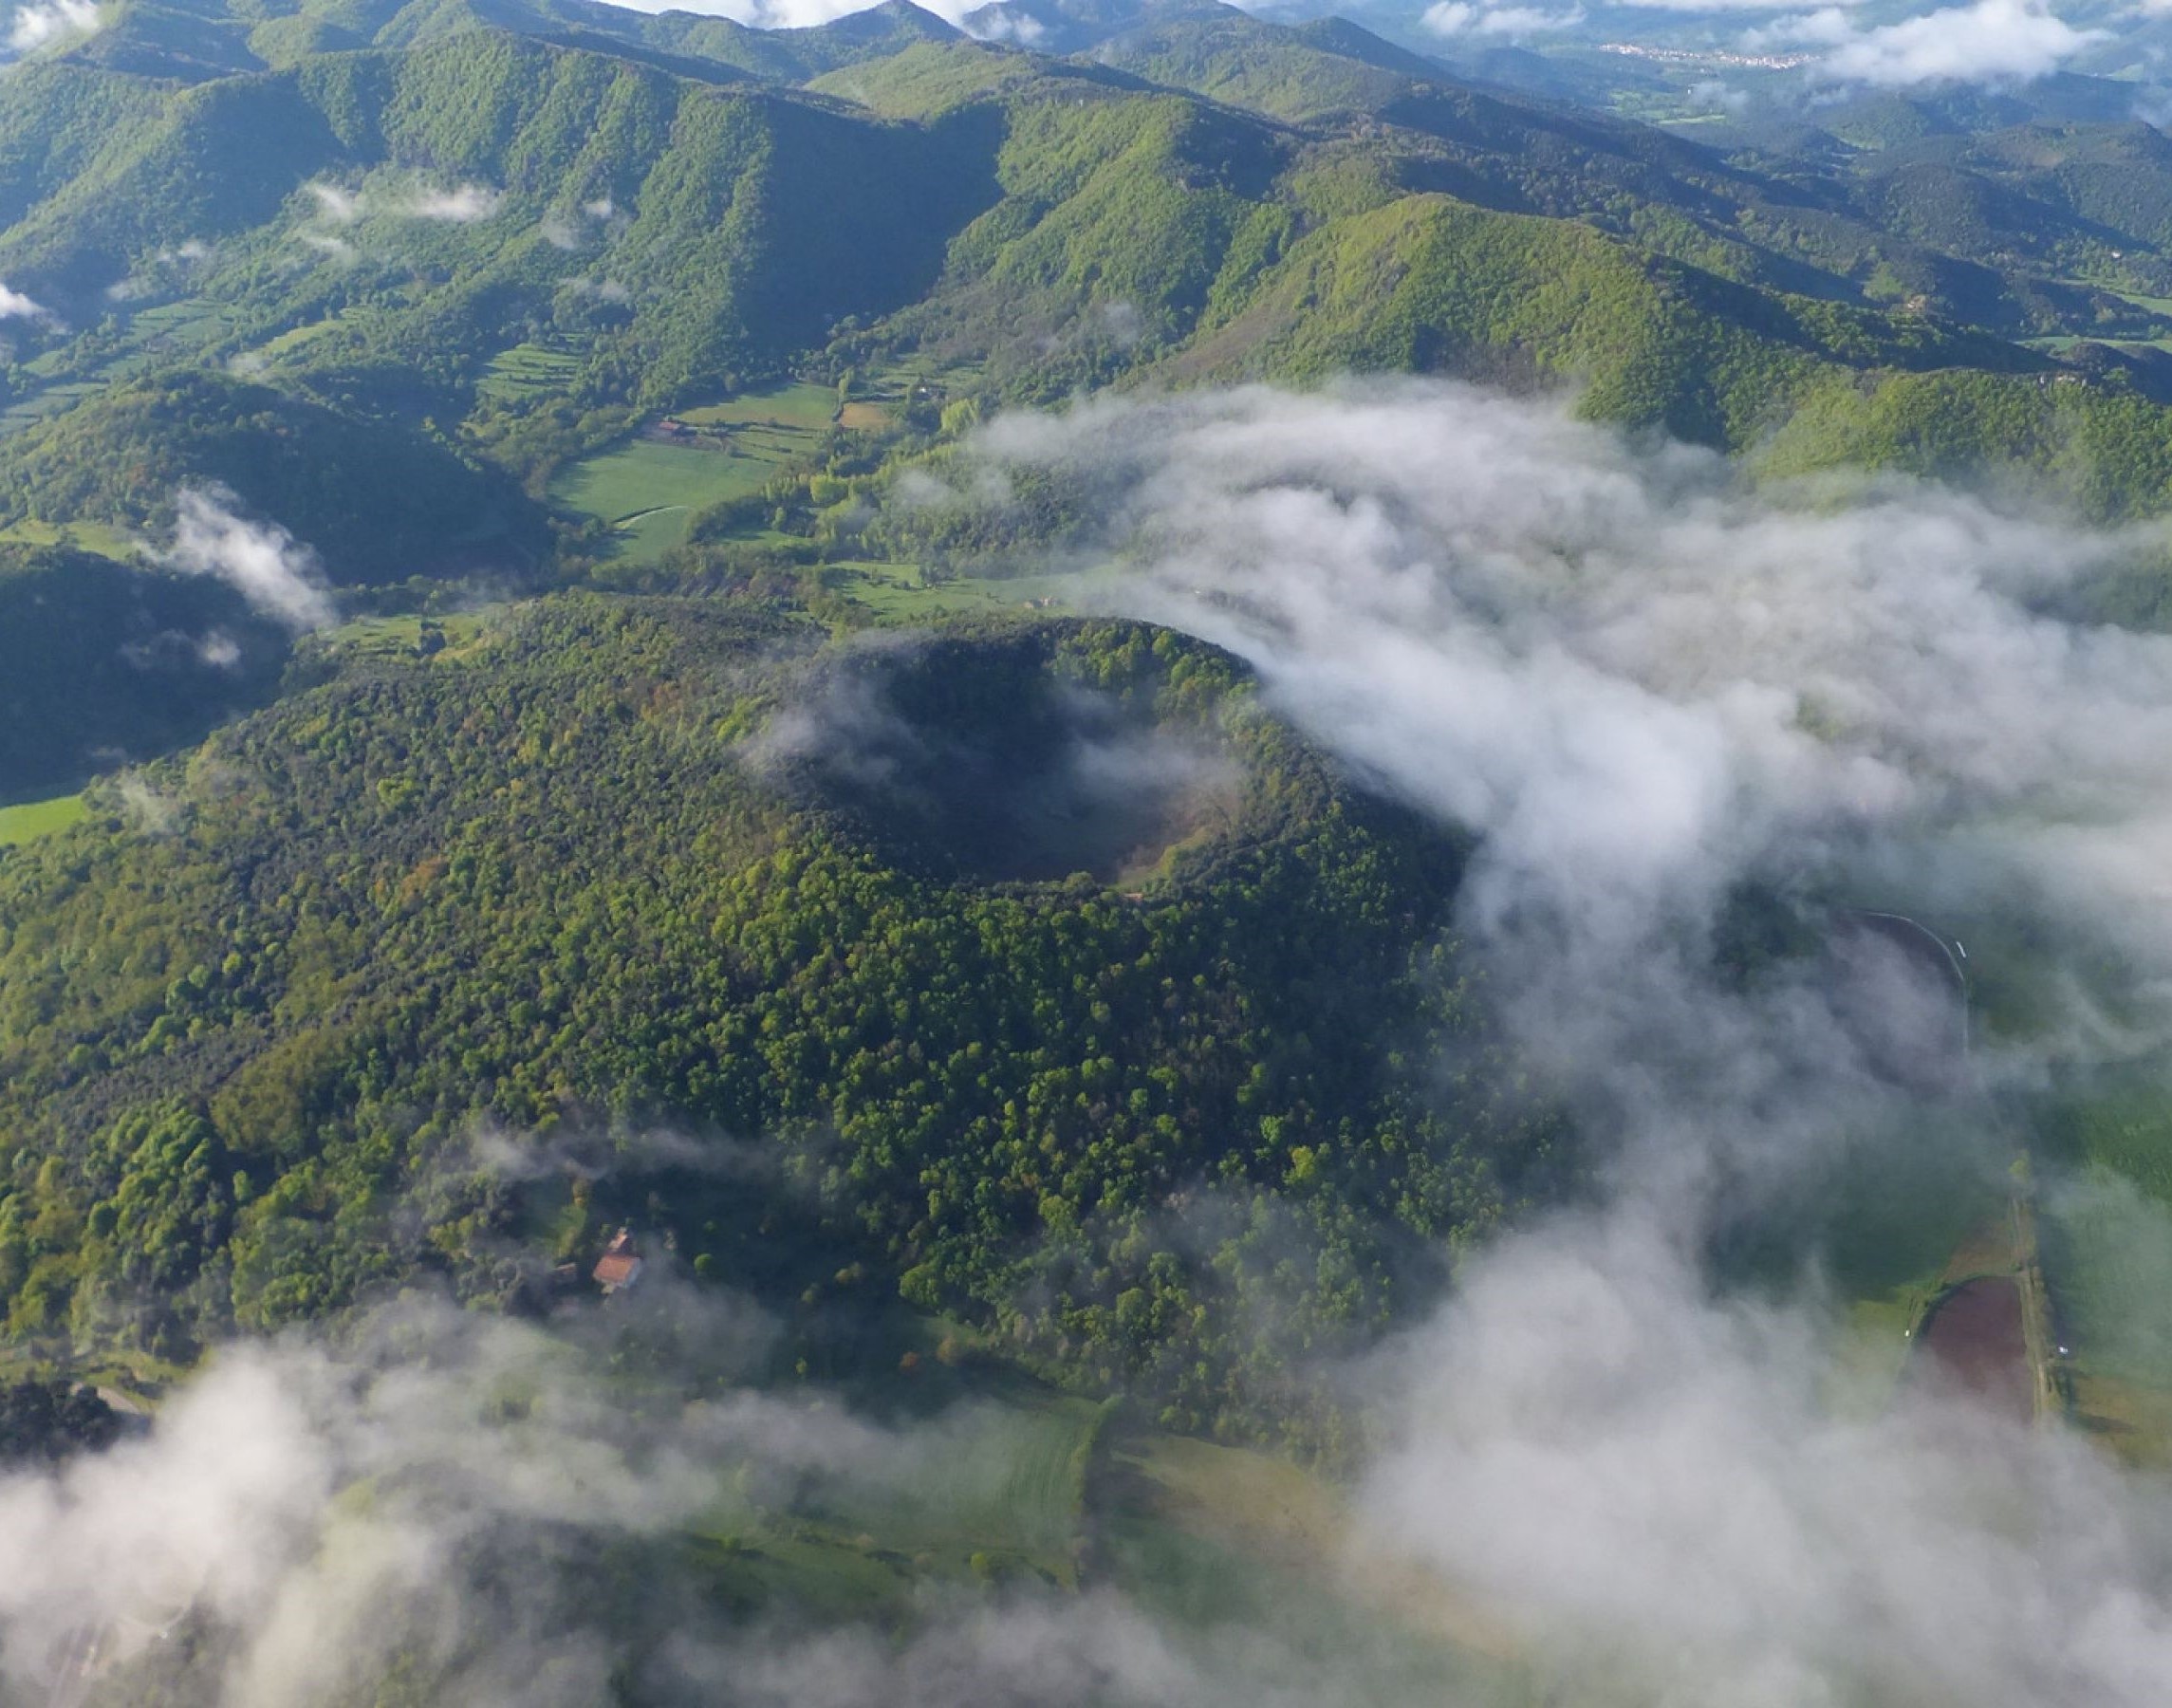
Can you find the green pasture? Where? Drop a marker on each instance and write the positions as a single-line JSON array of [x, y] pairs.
[[33, 819], [87, 536], [1217, 1538], [402, 636], [1004, 1479], [991, 1489], [2110, 1251], [2104, 1146], [648, 489], [897, 593], [798, 407]]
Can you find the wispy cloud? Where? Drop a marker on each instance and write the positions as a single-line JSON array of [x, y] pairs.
[[1451, 18], [16, 305], [265, 563], [44, 21], [463, 204], [335, 206]]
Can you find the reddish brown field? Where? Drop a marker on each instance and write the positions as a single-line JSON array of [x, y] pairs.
[[1974, 1340]]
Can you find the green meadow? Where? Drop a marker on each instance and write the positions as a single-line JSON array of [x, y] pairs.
[[31, 819], [648, 489]]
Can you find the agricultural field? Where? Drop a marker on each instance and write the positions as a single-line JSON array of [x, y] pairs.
[[990, 1488], [529, 372], [1212, 1534], [402, 636], [47, 401], [169, 333], [1003, 1479], [1026, 1485], [87, 536], [647, 488], [187, 325], [898, 592], [2107, 1246], [20, 823]]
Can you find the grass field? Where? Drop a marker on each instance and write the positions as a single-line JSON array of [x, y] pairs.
[[1002, 1478], [38, 818], [2108, 1258], [989, 1489], [648, 489], [401, 637], [154, 337], [1211, 1539], [2105, 1212], [797, 408], [1211, 1535], [89, 536], [896, 592]]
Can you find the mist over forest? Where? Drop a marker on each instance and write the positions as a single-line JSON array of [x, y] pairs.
[[1077, 853]]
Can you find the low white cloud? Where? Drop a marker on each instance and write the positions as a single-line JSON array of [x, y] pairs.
[[430, 1504], [464, 204], [1713, 96], [1453, 18], [265, 563], [1650, 1484], [335, 206], [1640, 683], [44, 21], [182, 256], [1987, 42], [16, 305], [602, 290], [1003, 24], [149, 810]]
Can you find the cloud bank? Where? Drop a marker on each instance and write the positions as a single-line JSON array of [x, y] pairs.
[[1996, 42], [1645, 684], [487, 1511]]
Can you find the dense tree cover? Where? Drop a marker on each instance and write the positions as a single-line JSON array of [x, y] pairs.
[[522, 235], [1515, 299], [42, 1421], [101, 663], [2103, 451], [374, 502], [630, 862], [578, 877]]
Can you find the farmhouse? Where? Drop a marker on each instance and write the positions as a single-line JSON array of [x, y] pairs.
[[620, 1266]]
